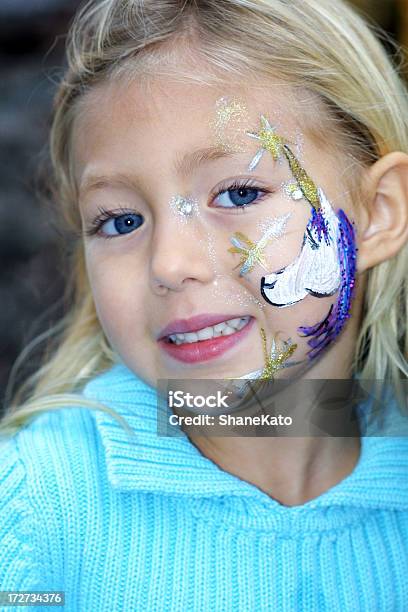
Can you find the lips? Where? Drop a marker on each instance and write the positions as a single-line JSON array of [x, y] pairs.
[[202, 350]]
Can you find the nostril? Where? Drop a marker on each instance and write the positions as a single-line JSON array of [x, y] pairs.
[[159, 288]]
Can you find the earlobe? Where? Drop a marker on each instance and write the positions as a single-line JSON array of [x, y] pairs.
[[384, 222]]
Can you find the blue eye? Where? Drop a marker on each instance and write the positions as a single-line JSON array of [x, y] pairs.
[[123, 224], [115, 223], [239, 195]]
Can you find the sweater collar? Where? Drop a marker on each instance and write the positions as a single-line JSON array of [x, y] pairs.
[[173, 465]]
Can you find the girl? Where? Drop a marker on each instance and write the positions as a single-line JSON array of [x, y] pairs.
[[235, 176]]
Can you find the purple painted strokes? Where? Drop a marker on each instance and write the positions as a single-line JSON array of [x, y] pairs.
[[319, 223], [326, 331]]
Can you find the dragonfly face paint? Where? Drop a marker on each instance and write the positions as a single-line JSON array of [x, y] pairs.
[[253, 253], [277, 358]]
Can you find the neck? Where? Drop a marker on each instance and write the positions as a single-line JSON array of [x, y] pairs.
[[298, 463], [290, 470]]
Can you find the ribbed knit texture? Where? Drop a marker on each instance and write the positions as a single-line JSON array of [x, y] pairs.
[[152, 525]]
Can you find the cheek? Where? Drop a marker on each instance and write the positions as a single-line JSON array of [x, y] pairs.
[[254, 247], [118, 296], [307, 312]]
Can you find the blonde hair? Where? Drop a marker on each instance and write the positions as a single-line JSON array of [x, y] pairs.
[[323, 47]]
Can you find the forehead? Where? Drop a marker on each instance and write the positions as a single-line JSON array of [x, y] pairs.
[[164, 116], [167, 100]]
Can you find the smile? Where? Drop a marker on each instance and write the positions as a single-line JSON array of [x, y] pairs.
[[226, 328], [207, 342]]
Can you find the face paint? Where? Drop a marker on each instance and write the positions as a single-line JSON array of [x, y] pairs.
[[305, 183], [230, 123], [184, 207], [316, 270], [275, 360], [277, 357], [293, 190], [219, 288], [270, 141], [327, 330], [274, 225], [327, 259], [252, 253], [275, 144]]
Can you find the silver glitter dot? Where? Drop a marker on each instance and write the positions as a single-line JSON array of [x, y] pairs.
[[183, 206], [292, 190]]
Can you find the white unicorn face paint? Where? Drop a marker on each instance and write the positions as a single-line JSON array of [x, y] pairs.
[[316, 270], [326, 263]]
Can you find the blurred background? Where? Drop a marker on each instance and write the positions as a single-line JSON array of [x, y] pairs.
[[32, 276]]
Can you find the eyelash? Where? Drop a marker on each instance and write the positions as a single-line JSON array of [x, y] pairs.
[[241, 184], [106, 215]]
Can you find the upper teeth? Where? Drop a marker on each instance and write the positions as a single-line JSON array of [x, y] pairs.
[[213, 331]]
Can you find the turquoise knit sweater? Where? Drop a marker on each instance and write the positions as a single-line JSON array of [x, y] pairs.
[[153, 525]]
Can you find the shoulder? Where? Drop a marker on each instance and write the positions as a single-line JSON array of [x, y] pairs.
[[49, 470], [62, 446], [63, 422], [43, 471], [67, 429], [68, 453], [57, 458], [57, 445]]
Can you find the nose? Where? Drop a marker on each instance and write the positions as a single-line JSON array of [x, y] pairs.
[[179, 256]]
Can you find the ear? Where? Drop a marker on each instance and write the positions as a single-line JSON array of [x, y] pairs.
[[383, 222]]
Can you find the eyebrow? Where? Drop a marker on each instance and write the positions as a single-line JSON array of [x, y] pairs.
[[183, 166], [189, 162]]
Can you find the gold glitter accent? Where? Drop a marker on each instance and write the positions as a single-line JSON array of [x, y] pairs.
[[230, 123], [307, 186], [250, 255], [274, 361], [275, 144], [271, 142]]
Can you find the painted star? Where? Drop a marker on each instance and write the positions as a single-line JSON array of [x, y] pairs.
[[270, 141]]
